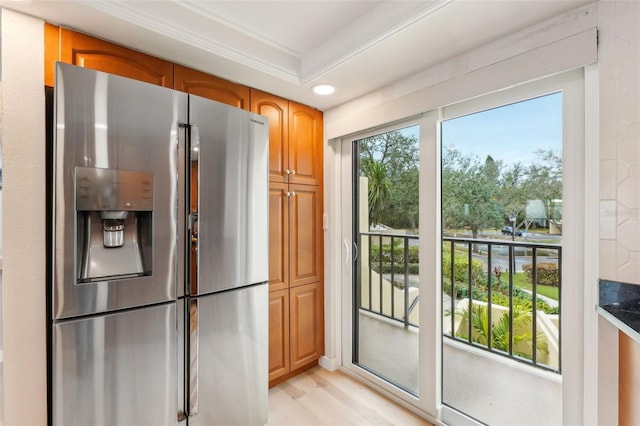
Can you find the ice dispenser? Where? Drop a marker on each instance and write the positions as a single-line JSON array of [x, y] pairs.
[[114, 211]]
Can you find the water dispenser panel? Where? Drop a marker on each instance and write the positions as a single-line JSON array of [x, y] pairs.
[[114, 223], [110, 189]]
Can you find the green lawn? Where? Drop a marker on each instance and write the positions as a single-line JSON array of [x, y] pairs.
[[520, 280]]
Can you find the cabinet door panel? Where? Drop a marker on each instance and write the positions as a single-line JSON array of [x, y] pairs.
[[306, 324], [210, 87], [278, 237], [305, 144], [305, 234], [85, 51], [278, 333], [277, 110]]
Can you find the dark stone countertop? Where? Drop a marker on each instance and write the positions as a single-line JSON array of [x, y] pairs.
[[619, 303]]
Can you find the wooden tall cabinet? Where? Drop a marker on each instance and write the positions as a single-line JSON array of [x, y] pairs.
[[304, 165], [296, 319]]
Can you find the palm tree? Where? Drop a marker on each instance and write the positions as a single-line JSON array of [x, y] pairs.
[[379, 190], [500, 330]]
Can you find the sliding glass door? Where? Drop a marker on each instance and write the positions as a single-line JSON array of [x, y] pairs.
[[512, 247], [433, 299], [386, 270]]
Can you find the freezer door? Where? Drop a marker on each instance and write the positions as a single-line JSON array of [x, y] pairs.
[[230, 187], [231, 387], [117, 369], [117, 189]]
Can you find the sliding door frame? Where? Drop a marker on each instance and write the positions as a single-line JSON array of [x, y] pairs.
[[425, 403], [579, 376]]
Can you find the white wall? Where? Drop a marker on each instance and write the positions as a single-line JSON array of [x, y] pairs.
[[619, 189], [619, 58], [23, 277]]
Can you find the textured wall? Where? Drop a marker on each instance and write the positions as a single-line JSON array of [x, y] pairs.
[[23, 281], [619, 59], [619, 66]]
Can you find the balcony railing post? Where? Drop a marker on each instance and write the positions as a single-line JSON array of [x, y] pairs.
[[453, 289], [489, 307], [511, 262], [559, 277], [381, 300], [470, 287], [406, 282], [371, 272], [534, 307], [393, 278]]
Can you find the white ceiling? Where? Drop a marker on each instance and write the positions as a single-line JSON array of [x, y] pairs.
[[286, 47]]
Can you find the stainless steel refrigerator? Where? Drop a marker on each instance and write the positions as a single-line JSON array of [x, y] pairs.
[[159, 256]]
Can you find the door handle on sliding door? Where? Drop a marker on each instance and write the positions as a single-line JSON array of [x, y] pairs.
[[192, 397]]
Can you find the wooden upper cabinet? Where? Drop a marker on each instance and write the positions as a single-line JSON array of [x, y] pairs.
[[305, 144], [51, 53], [89, 52], [277, 110], [210, 87]]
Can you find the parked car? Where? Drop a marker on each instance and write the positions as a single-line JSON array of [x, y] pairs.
[[508, 230]]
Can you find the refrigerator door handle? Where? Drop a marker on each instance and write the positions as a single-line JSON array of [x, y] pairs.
[[192, 398], [193, 255], [182, 203]]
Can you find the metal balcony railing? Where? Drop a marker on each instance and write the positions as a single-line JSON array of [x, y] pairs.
[[482, 304], [490, 312], [388, 276]]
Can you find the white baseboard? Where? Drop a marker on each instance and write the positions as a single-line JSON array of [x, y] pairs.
[[330, 364]]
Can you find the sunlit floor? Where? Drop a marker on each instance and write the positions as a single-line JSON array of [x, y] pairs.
[[320, 397]]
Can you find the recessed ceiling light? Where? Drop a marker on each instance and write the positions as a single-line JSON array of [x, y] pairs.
[[323, 89]]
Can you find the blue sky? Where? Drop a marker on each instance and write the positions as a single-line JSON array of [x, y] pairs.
[[509, 133]]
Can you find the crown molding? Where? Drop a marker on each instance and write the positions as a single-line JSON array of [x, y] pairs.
[[252, 53], [371, 30], [199, 27]]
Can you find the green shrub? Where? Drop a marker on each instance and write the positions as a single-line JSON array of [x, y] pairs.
[[398, 253], [499, 294], [461, 268], [522, 299], [547, 273], [398, 268]]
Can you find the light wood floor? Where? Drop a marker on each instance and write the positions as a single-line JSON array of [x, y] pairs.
[[320, 397]]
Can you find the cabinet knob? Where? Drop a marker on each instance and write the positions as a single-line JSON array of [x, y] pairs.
[[287, 194], [287, 172], [293, 193], [293, 172]]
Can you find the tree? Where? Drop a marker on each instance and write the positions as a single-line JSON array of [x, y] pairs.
[[379, 188], [544, 182], [470, 192], [390, 162], [512, 196]]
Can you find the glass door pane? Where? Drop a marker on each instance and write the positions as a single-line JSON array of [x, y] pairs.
[[501, 262], [385, 223]]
